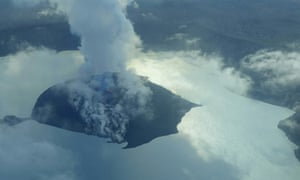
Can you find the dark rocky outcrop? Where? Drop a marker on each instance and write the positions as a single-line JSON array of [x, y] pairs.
[[291, 127]]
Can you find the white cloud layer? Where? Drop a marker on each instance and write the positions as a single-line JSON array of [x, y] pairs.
[[24, 155], [281, 69], [38, 151], [208, 71], [241, 131], [25, 75]]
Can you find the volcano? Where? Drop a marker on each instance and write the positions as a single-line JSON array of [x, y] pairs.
[[103, 106]]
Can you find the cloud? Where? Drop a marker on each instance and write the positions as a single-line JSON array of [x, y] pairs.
[[135, 5], [23, 76], [24, 154], [189, 42], [21, 13], [238, 130], [279, 69], [207, 68], [125, 3], [37, 151], [24, 149]]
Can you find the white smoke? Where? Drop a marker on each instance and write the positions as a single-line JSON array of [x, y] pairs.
[[107, 36]]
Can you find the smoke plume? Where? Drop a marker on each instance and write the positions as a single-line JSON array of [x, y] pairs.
[[107, 36]]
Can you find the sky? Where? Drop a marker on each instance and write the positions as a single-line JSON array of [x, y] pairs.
[[229, 137]]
